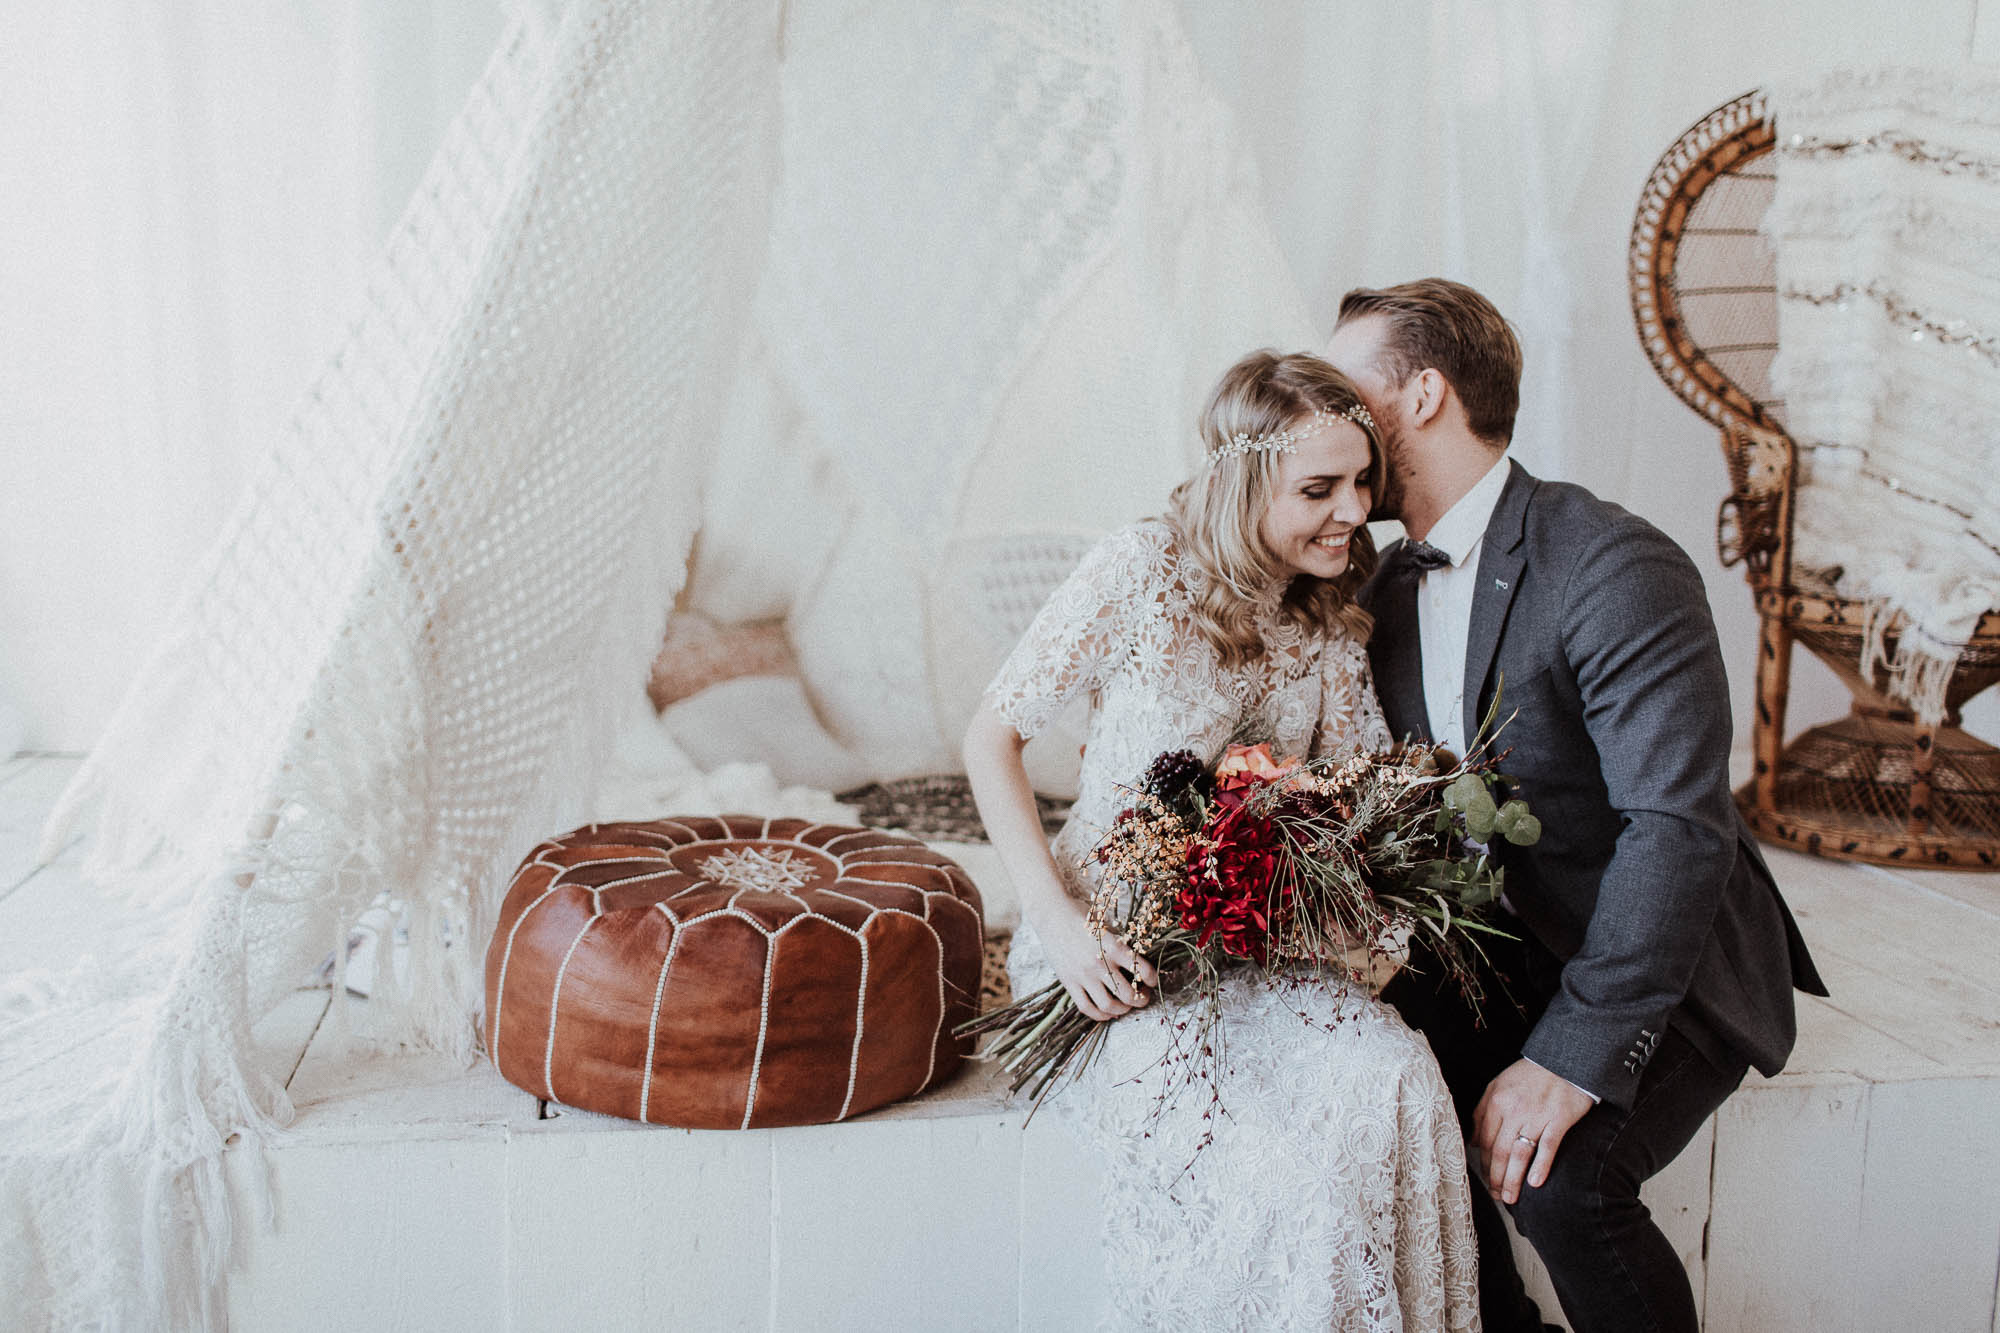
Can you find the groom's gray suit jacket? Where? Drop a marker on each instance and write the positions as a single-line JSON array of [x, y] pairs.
[[1646, 882]]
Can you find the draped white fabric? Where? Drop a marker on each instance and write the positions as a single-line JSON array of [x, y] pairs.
[[1096, 264], [1453, 137], [402, 661], [13, 726]]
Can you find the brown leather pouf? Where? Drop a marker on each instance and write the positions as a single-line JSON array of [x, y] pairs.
[[732, 972]]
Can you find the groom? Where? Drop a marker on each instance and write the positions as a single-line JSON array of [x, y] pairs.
[[1655, 961]]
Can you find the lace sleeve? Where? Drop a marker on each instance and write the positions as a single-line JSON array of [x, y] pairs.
[[1350, 713], [1078, 635]]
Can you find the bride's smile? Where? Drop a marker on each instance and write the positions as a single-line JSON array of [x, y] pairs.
[[1321, 494]]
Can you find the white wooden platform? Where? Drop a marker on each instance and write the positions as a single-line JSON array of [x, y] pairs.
[[1858, 1190]]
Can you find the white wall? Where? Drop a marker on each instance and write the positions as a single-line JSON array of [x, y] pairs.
[[190, 195], [155, 322]]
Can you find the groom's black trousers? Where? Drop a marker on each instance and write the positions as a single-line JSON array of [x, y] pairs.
[[1612, 1268]]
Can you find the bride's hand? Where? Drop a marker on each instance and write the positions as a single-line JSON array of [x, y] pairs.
[[1101, 974]]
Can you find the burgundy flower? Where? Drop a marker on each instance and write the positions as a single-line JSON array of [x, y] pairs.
[[1233, 891]]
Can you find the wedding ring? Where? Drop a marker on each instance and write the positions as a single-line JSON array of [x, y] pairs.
[[1523, 1138]]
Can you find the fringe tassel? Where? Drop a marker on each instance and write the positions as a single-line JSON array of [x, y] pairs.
[[1921, 678], [112, 1134], [1918, 674], [1874, 639]]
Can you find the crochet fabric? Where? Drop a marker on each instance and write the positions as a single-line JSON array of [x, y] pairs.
[[391, 673], [1887, 205]]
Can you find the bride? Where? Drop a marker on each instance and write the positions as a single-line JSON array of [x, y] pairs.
[[1333, 1192]]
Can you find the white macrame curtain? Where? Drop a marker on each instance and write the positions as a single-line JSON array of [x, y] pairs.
[[401, 662], [995, 297], [402, 659]]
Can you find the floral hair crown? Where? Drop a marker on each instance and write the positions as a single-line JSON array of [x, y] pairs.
[[1287, 441]]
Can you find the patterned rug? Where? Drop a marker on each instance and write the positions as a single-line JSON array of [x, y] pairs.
[[940, 806], [995, 992], [937, 806]]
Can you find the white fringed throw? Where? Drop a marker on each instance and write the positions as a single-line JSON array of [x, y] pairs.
[[1887, 231]]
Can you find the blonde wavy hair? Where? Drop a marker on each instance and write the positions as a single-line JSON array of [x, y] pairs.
[[1216, 514]]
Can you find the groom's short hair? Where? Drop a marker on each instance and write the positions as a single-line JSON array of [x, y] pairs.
[[1446, 326]]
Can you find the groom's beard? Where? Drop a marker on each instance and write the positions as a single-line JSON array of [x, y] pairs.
[[1395, 467]]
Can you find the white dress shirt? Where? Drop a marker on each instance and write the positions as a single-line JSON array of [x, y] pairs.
[[1444, 617], [1444, 605]]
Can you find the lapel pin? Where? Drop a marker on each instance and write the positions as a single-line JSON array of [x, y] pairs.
[[1501, 584]]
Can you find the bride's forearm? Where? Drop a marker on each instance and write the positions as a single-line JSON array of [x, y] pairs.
[[1102, 975], [1006, 801]]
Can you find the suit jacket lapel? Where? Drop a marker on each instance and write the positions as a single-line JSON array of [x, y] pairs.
[[1500, 569]]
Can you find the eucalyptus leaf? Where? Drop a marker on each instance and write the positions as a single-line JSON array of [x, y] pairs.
[[1465, 791], [1479, 821], [1527, 831]]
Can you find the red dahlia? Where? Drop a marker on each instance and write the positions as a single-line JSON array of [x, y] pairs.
[[1233, 890]]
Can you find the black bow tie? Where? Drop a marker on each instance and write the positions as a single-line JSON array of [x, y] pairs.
[[1414, 557]]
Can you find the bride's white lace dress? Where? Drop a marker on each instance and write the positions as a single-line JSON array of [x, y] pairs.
[[1334, 1192]]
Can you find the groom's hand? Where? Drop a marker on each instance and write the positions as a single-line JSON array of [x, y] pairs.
[[1520, 1123]]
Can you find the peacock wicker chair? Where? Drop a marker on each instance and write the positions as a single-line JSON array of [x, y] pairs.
[[1878, 785]]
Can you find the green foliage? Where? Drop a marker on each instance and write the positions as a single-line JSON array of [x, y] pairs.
[[1465, 790], [1467, 796], [1516, 825]]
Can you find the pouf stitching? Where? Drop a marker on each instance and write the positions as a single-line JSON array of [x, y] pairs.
[[507, 957], [763, 1029], [555, 1001], [680, 924], [653, 1030], [764, 1006], [555, 885], [836, 849]]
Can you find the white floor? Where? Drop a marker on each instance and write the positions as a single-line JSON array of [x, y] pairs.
[[1858, 1190]]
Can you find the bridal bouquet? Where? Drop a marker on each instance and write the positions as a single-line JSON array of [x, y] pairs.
[[1292, 869]]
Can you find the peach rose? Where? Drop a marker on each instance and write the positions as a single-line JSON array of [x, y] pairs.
[[1252, 761]]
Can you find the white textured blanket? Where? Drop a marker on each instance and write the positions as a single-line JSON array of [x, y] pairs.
[[1887, 231]]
